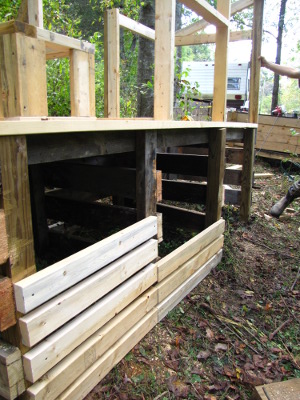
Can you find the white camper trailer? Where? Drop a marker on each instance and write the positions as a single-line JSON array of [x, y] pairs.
[[203, 74]]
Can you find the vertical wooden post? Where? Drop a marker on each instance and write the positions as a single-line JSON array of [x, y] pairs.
[[22, 76], [164, 59], [35, 13], [220, 75], [215, 175], [247, 174], [258, 14], [81, 81], [17, 209], [112, 64], [146, 144]]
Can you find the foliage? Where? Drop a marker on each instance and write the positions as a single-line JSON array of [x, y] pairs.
[[186, 92]]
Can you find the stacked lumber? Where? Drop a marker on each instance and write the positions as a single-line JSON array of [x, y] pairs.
[[83, 314]]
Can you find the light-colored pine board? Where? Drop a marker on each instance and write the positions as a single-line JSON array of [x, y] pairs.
[[200, 25], [92, 95], [221, 63], [257, 32], [57, 40], [178, 257], [206, 11], [99, 369], [47, 283], [16, 200], [79, 83], [285, 390], [164, 59], [7, 304], [136, 27], [44, 320], [178, 277], [174, 298], [112, 64], [206, 38], [12, 382], [49, 352], [60, 377], [33, 126], [35, 13]]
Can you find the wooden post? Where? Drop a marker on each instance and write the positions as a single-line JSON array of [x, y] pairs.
[[164, 59], [258, 14], [146, 144], [82, 77], [35, 13], [112, 64], [23, 82], [215, 175], [247, 174], [220, 75]]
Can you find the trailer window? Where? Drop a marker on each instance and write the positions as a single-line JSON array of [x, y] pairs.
[[233, 83]]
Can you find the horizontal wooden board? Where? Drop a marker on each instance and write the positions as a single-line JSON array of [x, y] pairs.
[[233, 155], [174, 298], [178, 257], [48, 353], [88, 380], [35, 290], [47, 318], [189, 192], [187, 164], [178, 277], [60, 377], [232, 196]]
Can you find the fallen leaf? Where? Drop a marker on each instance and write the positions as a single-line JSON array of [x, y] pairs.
[[203, 355], [209, 334], [252, 379], [221, 347], [179, 388]]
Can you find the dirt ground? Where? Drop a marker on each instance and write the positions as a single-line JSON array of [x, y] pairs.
[[240, 327]]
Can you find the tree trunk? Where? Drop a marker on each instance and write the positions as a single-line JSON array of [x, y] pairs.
[[278, 54], [146, 63]]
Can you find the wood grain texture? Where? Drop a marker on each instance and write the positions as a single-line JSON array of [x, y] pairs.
[[60, 377], [48, 353], [33, 291], [7, 304]]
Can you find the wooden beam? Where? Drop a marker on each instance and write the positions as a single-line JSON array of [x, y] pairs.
[[205, 38], [12, 383], [146, 145], [103, 181], [215, 176], [33, 291], [23, 76], [185, 164], [257, 32], [3, 239], [178, 257], [209, 13], [50, 352], [247, 175], [136, 27], [7, 304], [202, 24], [16, 199], [164, 59], [221, 62], [80, 84], [35, 12], [111, 64], [60, 377]]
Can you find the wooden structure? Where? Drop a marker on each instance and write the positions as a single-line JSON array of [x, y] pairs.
[[288, 390], [79, 316], [274, 135]]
